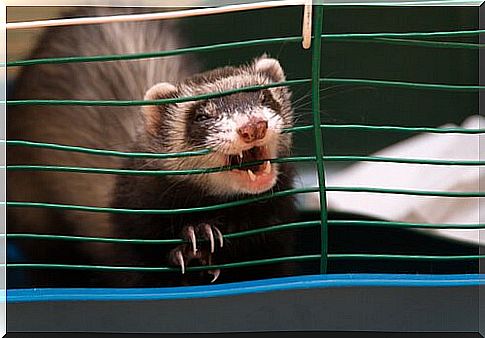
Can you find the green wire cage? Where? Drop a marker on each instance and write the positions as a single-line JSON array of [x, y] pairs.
[[314, 130]]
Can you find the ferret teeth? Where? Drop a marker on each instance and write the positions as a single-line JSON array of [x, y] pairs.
[[267, 167], [251, 175], [241, 155]]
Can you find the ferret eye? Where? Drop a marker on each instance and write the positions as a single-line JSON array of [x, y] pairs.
[[201, 117], [268, 100]]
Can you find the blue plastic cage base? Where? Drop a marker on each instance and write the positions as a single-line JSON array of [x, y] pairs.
[[376, 302]]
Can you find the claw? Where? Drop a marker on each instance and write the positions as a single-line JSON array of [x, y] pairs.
[[219, 237], [191, 232], [215, 273], [210, 236], [180, 260]]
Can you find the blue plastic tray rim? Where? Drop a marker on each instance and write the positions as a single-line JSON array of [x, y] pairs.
[[242, 288]]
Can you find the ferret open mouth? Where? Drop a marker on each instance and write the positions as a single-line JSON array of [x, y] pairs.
[[252, 155]]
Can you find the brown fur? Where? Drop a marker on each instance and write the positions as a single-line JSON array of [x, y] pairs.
[[86, 126], [91, 126]]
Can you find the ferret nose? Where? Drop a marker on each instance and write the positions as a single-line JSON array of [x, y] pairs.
[[253, 130]]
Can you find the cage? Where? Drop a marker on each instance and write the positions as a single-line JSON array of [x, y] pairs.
[[357, 266]]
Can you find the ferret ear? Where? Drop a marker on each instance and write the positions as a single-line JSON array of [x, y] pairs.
[[153, 114], [270, 67]]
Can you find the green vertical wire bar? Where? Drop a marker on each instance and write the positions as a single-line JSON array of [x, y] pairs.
[[316, 59]]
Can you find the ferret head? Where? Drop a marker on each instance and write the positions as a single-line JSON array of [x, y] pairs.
[[237, 128]]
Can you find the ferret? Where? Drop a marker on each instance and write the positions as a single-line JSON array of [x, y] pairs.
[[237, 129]]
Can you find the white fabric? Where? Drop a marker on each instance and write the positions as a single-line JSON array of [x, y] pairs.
[[418, 209]]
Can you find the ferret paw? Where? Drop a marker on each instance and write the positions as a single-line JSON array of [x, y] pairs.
[[183, 254]]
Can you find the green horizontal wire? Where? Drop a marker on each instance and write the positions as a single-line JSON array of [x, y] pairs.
[[239, 44], [417, 43], [288, 226], [147, 269], [403, 129], [109, 171], [296, 225], [149, 55], [298, 129], [401, 160], [89, 267], [360, 4], [288, 192], [94, 151], [239, 202], [94, 239], [405, 257], [401, 35], [407, 192], [122, 103], [242, 264], [404, 225], [106, 152], [402, 84]]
